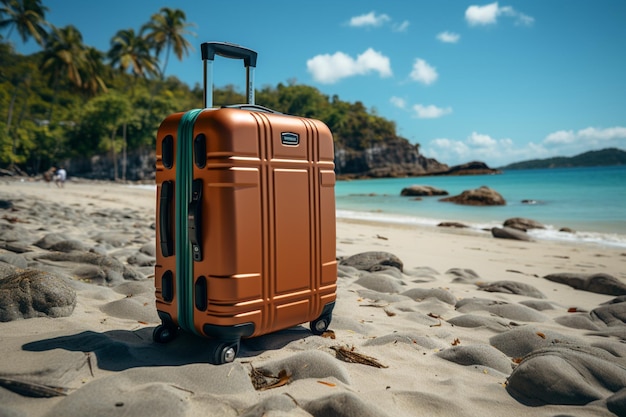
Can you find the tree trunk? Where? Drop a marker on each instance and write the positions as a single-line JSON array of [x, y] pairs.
[[114, 154], [10, 115], [124, 146]]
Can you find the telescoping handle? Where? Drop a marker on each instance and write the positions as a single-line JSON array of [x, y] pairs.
[[227, 50]]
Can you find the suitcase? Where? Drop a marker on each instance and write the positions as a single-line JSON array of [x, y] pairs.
[[245, 230]]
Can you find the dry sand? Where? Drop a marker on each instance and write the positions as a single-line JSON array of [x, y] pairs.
[[447, 346]]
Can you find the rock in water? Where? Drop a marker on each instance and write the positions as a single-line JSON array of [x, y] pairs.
[[482, 196], [510, 233], [523, 224], [422, 191], [32, 293]]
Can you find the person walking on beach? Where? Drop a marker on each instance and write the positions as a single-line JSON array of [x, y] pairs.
[[49, 175], [60, 177]]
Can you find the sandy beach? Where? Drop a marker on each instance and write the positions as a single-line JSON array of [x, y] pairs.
[[429, 321]]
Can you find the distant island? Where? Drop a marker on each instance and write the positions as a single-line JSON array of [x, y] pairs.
[[604, 157]]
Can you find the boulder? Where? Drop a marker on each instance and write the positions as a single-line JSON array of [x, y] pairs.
[[50, 240], [82, 264], [482, 196], [373, 261], [566, 375], [471, 168], [597, 283], [455, 225], [510, 233], [422, 191], [511, 287], [523, 224], [29, 293], [463, 275]]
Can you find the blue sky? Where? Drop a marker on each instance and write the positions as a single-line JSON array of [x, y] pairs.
[[497, 82]]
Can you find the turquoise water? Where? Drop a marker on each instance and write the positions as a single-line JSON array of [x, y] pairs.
[[591, 201]]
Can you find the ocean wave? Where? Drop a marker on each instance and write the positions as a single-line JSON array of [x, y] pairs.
[[549, 233]]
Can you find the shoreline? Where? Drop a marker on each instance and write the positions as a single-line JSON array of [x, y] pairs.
[[550, 234], [578, 237]]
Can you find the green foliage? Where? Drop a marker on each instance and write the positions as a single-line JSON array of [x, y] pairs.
[[351, 123], [99, 123], [604, 157], [67, 102]]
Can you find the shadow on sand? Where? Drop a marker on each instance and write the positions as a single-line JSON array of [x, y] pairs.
[[118, 350]]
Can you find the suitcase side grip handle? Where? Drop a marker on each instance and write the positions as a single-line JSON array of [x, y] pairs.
[[251, 107], [194, 220], [229, 50], [165, 223]]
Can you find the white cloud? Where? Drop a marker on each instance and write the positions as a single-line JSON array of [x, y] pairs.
[[448, 37], [328, 69], [369, 19], [498, 152], [477, 139], [372, 19], [588, 136], [482, 15], [560, 137], [401, 27], [430, 111], [489, 13], [398, 102], [423, 72], [476, 147]]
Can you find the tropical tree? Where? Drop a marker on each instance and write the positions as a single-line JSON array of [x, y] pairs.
[[63, 55], [131, 53], [167, 30], [27, 17], [63, 59], [92, 72], [101, 120]]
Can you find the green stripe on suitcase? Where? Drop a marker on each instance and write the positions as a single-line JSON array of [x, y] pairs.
[[184, 174]]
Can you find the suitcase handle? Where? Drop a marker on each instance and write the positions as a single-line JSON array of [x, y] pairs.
[[165, 223], [194, 218], [227, 50], [251, 107]]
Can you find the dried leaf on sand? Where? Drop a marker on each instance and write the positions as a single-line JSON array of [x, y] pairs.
[[31, 389], [349, 355], [263, 380]]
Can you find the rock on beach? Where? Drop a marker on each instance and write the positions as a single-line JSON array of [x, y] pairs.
[[32, 293]]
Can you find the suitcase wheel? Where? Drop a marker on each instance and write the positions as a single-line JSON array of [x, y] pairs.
[[225, 352], [320, 325], [163, 334]]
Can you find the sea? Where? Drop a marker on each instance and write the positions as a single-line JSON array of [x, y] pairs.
[[589, 200]]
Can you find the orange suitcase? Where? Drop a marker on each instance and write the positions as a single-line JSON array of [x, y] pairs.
[[245, 219]]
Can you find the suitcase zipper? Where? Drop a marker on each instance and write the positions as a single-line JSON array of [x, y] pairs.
[[184, 266]]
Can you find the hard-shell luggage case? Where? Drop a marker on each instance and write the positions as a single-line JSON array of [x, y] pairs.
[[245, 219]]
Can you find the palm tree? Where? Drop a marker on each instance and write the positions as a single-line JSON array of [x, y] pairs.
[[92, 72], [167, 30], [64, 55], [131, 53], [26, 17]]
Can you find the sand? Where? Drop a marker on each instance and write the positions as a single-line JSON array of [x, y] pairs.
[[468, 327]]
